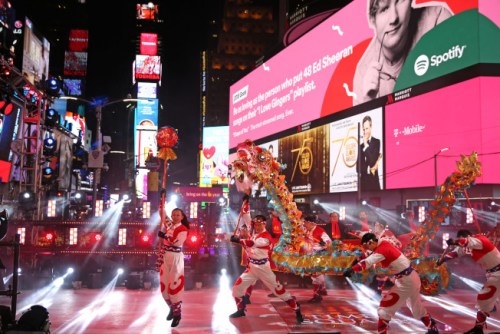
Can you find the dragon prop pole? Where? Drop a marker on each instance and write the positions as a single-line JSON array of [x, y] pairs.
[[244, 207]]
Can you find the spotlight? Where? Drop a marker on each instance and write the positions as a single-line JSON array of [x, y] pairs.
[[316, 202], [47, 175], [364, 202], [78, 199], [493, 203], [51, 117], [126, 198], [53, 86], [70, 271], [174, 198], [49, 146], [119, 271], [27, 200], [222, 201]]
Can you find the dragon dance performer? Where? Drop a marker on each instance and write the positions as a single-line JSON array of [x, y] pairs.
[[171, 264], [488, 256], [406, 287], [316, 241], [258, 248]]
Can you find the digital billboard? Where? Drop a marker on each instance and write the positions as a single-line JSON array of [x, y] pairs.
[[146, 126], [146, 90], [147, 67], [344, 150], [78, 40], [78, 125], [75, 63], [416, 133], [338, 65], [214, 158], [149, 44], [73, 86], [147, 11], [36, 54]]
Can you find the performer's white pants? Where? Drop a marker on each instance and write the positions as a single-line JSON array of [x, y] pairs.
[[488, 295], [252, 273], [172, 277], [405, 290]]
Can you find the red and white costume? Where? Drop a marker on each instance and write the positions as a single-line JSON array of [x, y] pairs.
[[406, 287], [487, 256], [316, 241], [172, 268], [258, 248]]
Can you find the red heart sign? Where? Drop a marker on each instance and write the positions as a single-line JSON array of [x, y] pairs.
[[209, 152]]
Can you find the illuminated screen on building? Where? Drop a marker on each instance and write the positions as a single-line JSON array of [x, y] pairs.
[[146, 126], [9, 128], [75, 63], [149, 44], [78, 125], [73, 86], [147, 11], [36, 54], [146, 90], [322, 72], [78, 40], [467, 122], [147, 67], [344, 150], [214, 156]]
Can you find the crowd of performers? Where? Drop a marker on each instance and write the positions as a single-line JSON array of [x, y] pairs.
[[380, 246]]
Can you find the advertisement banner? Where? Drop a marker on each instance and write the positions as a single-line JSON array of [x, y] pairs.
[[78, 40], [75, 63], [36, 55], [195, 194], [147, 67], [214, 157], [354, 64], [148, 44], [344, 150], [306, 157], [146, 127]]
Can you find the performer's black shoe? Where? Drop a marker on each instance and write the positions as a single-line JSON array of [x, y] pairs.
[[170, 315], [475, 330], [246, 299], [237, 314], [323, 292], [315, 299], [271, 295], [299, 317], [175, 321], [433, 329]]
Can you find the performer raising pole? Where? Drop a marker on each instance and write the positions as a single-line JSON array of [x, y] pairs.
[[170, 262]]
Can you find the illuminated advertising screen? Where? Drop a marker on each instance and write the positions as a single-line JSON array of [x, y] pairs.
[[73, 86], [146, 126], [149, 44], [328, 69], [147, 67], [147, 11], [36, 54], [75, 63], [214, 158], [78, 40], [78, 125], [344, 150], [9, 128], [146, 90], [306, 157], [416, 133]]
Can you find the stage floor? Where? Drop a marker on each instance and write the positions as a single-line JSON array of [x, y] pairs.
[[351, 309]]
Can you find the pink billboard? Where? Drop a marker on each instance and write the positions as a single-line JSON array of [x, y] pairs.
[[434, 129], [338, 65]]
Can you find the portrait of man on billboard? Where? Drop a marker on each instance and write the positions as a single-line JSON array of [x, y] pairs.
[[397, 26]]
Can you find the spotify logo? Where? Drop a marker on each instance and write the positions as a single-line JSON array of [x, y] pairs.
[[421, 65]]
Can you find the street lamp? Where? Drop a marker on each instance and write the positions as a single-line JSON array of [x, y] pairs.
[[436, 168], [98, 112]]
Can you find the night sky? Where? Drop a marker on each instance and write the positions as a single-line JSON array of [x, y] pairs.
[[112, 46]]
